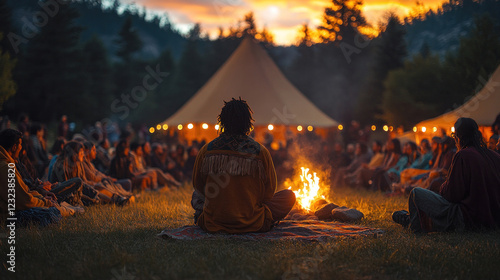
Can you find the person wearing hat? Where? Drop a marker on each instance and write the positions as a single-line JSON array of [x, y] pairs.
[[468, 199]]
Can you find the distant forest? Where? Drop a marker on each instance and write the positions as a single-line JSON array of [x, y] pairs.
[[89, 62]]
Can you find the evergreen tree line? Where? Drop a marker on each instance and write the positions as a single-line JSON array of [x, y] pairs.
[[345, 73]]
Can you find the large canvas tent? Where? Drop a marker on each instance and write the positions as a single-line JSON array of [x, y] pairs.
[[482, 107], [251, 74]]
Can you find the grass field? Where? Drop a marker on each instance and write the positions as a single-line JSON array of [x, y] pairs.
[[108, 242]]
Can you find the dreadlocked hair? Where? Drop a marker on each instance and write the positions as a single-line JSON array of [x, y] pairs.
[[235, 117]]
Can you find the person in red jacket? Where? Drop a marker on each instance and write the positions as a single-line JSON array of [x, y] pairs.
[[469, 198]]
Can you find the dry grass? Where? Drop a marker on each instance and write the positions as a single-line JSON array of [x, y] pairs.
[[120, 243]]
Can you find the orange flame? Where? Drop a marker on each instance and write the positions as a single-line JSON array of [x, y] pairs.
[[310, 190]]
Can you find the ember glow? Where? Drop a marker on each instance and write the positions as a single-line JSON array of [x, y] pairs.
[[309, 191]]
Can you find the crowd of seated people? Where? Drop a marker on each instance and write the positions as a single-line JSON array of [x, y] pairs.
[[73, 174], [84, 171]]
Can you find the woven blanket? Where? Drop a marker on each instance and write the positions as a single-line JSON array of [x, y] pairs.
[[291, 230]]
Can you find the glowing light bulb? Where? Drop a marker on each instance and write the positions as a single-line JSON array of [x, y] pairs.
[[179, 127], [204, 126], [386, 128], [299, 128], [270, 127], [158, 127], [310, 128], [414, 129], [151, 130], [165, 127], [340, 127], [217, 127], [374, 128], [190, 126]]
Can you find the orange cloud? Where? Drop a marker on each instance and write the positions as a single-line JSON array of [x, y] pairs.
[[283, 18]]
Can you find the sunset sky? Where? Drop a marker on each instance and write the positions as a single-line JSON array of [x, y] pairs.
[[282, 17]]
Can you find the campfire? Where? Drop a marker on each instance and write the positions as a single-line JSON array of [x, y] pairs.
[[312, 204], [309, 192]]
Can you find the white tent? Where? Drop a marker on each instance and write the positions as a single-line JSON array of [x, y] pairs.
[[251, 74], [482, 107]]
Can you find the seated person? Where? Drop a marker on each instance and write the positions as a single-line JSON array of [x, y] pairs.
[[69, 191], [493, 141], [70, 165], [102, 160], [56, 150], [38, 154], [30, 206], [376, 160], [421, 165], [119, 187], [392, 154], [158, 177], [361, 156], [437, 175], [469, 198], [121, 168], [235, 180]]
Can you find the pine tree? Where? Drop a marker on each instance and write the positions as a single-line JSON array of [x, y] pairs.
[[128, 41], [250, 28], [190, 76], [99, 82], [390, 51], [51, 81], [341, 21]]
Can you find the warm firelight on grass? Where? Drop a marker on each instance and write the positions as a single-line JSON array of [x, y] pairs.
[[310, 190]]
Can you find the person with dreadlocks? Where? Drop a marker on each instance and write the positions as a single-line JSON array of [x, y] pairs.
[[469, 198], [235, 180]]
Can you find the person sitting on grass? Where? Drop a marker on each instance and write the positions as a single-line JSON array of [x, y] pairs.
[[469, 198], [103, 159], [70, 165], [121, 168], [112, 185], [139, 166], [235, 180], [30, 206]]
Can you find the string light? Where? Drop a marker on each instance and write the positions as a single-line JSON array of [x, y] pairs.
[[190, 126], [165, 127], [310, 128], [374, 127], [179, 127], [434, 129], [386, 128], [414, 129], [340, 127], [299, 128], [217, 127], [424, 129], [158, 127], [270, 127], [204, 126], [151, 130]]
